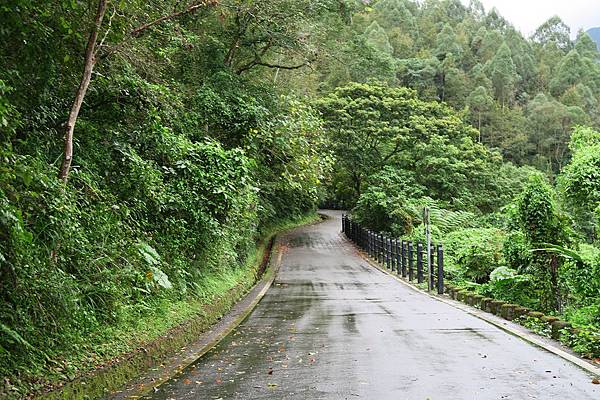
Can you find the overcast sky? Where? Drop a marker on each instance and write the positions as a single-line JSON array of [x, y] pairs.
[[527, 15]]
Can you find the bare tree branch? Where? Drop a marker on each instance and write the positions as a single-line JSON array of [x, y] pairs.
[[193, 7], [110, 19], [258, 62]]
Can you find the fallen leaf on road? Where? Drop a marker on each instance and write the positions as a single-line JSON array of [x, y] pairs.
[[186, 381], [272, 385], [270, 372], [596, 381]]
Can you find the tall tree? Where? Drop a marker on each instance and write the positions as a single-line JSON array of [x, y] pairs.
[[89, 62], [479, 101], [550, 123], [572, 69], [554, 30], [489, 45], [378, 38], [503, 74], [583, 97], [586, 46], [446, 43]]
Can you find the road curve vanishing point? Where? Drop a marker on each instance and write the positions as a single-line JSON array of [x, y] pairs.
[[333, 327]]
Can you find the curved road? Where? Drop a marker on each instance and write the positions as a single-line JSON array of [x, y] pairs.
[[333, 327]]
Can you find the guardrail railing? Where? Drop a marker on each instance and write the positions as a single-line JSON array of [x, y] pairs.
[[401, 256]]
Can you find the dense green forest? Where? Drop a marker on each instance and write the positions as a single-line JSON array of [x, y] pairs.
[[147, 146]]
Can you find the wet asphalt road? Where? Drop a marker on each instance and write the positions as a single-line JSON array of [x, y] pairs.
[[332, 327]]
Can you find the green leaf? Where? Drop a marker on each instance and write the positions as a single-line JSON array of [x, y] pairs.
[[160, 278], [149, 253]]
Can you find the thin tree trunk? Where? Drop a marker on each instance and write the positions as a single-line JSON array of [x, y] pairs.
[[90, 61], [479, 126]]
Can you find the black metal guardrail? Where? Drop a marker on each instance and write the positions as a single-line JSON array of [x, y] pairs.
[[399, 255]]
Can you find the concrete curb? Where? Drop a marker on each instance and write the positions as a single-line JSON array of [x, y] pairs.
[[504, 325]]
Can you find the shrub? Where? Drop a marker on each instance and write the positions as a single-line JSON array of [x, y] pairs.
[[516, 251], [476, 251], [507, 285], [581, 276]]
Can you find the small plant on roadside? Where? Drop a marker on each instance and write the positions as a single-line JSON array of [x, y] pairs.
[[535, 325], [585, 341]]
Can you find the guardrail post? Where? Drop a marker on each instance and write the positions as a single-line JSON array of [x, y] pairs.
[[363, 239], [348, 228], [398, 258], [410, 261], [432, 273], [404, 258], [373, 244], [383, 249], [380, 250], [440, 265], [390, 254], [419, 262], [387, 252], [393, 255]]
